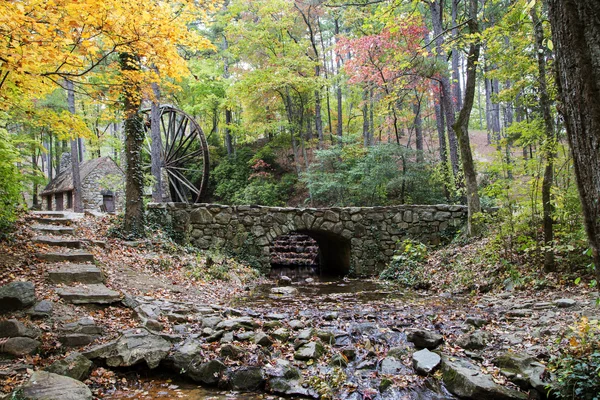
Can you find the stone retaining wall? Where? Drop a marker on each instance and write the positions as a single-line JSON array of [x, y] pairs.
[[357, 240]]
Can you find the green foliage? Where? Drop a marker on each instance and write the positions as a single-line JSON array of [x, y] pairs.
[[10, 183], [378, 175], [407, 265], [250, 178], [577, 367]]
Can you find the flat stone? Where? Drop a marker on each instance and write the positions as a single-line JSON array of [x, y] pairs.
[[75, 273], [524, 371], [391, 366], [565, 303], [76, 339], [75, 366], [89, 294], [74, 257], [232, 351], [53, 229], [54, 220], [262, 339], [473, 341], [309, 351], [133, 347], [425, 361], [466, 381], [48, 386], [16, 296], [285, 290], [19, 346], [58, 241], [42, 309], [237, 323], [477, 322], [208, 373], [15, 328]]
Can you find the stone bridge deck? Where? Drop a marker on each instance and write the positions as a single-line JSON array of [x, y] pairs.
[[355, 240]]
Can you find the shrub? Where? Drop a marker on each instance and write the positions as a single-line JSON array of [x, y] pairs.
[[407, 265], [10, 183], [577, 367]]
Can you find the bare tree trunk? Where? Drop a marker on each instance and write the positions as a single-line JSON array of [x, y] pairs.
[[134, 138], [228, 116], [576, 33], [462, 126], [156, 147], [446, 92], [77, 204], [456, 59], [418, 131], [547, 198], [365, 114], [339, 89]]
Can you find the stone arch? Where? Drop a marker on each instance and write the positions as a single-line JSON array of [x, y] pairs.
[[334, 249]]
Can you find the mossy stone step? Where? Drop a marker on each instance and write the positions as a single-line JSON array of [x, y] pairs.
[[58, 241], [54, 221], [89, 294], [75, 273], [75, 257], [54, 229]]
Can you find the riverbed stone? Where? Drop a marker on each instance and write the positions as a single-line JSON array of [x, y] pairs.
[[209, 373], [565, 303], [42, 309], [392, 366], [425, 361], [19, 346], [237, 323], [75, 366], [48, 386], [15, 328], [524, 371], [466, 381], [424, 339], [262, 339], [281, 334], [133, 347], [247, 379], [286, 291], [232, 351], [309, 351], [16, 296], [473, 341]]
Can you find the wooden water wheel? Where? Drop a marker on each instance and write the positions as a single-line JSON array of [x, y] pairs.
[[184, 155]]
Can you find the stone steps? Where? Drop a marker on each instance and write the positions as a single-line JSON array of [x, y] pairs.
[[53, 221], [88, 294], [75, 273], [49, 214], [58, 241], [54, 229], [74, 257]]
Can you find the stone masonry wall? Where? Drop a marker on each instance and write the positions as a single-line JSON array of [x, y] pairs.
[[369, 235]]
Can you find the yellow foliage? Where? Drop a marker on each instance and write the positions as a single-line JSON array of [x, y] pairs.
[[45, 42]]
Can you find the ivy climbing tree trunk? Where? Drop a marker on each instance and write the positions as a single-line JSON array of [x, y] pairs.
[[156, 147], [576, 37], [77, 204], [133, 224], [461, 126]]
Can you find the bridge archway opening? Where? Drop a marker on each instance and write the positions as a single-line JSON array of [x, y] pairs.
[[305, 253]]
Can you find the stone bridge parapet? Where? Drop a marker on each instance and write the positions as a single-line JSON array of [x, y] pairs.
[[356, 240]]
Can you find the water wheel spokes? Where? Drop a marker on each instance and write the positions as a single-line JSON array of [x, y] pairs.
[[184, 155]]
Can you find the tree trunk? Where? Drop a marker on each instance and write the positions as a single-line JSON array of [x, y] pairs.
[[156, 147], [446, 89], [133, 224], [339, 89], [461, 127], [576, 36], [77, 204], [418, 131], [365, 114], [228, 116], [547, 198], [457, 92]]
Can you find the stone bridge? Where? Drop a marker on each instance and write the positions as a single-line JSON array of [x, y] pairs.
[[353, 240]]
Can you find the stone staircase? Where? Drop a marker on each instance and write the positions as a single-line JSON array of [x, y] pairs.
[[70, 266]]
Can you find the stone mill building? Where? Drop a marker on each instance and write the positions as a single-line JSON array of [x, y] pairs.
[[101, 186]]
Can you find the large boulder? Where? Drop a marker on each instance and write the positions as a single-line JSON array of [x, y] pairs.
[[467, 381], [209, 373], [524, 371], [133, 347], [16, 296], [48, 386], [74, 366]]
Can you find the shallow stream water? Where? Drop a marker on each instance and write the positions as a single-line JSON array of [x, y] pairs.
[[354, 305]]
